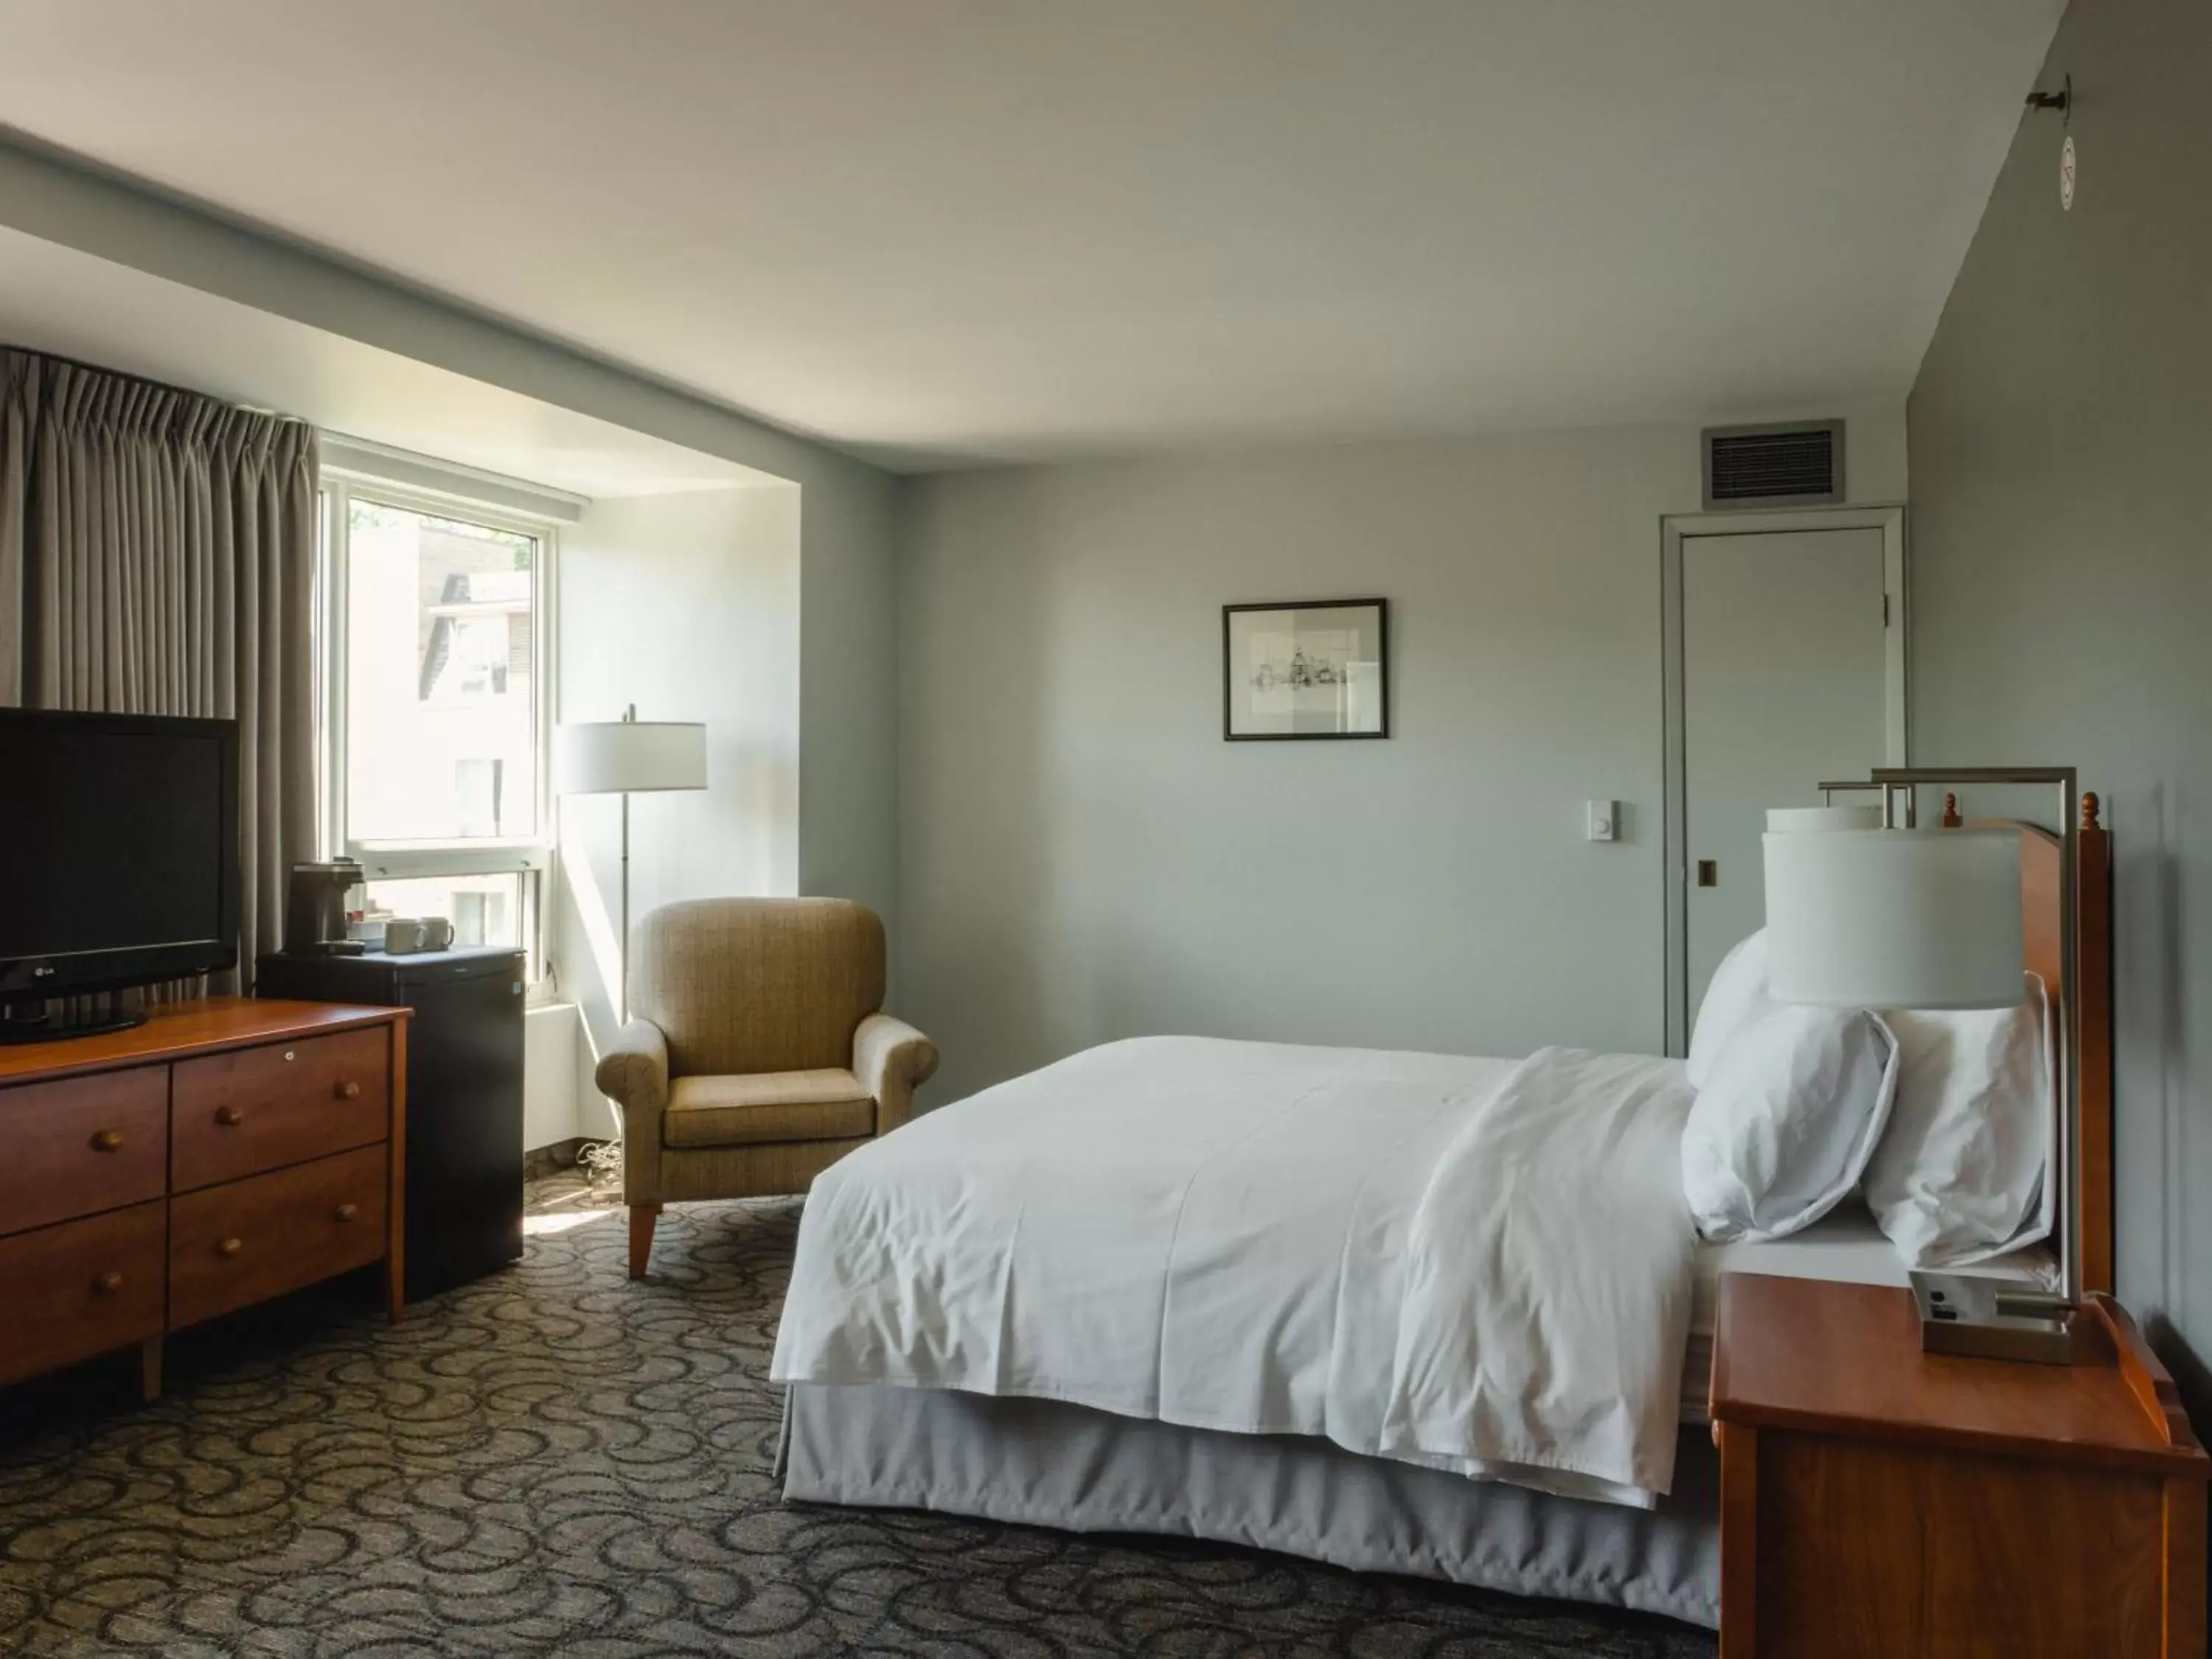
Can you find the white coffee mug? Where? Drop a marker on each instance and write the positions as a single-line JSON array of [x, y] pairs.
[[405, 935]]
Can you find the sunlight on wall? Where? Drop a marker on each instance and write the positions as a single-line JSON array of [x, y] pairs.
[[594, 918]]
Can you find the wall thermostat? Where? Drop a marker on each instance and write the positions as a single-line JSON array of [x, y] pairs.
[[1603, 817]]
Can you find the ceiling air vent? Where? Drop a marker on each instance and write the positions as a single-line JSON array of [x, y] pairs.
[[1797, 464]]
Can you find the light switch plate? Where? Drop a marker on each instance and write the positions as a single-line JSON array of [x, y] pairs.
[[1603, 819]]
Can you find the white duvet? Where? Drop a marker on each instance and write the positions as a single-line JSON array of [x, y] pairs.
[[1470, 1264]]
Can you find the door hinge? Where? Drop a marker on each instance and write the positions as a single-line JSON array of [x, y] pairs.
[[1885, 610]]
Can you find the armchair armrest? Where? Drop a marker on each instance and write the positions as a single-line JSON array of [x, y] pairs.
[[892, 1060], [634, 1074]]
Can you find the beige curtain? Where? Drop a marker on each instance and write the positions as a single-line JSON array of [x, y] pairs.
[[157, 552]]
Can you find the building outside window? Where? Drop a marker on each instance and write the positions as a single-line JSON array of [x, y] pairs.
[[434, 711]]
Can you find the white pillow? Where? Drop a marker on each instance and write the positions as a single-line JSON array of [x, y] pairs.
[[1958, 1177], [1736, 993], [1790, 1113]]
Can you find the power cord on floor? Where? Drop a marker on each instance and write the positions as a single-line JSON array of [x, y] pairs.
[[601, 1161]]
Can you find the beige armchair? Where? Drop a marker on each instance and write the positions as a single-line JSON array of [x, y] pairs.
[[755, 1055]]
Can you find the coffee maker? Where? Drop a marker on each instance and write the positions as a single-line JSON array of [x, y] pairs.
[[315, 909]]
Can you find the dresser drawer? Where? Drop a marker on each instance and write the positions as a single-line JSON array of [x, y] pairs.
[[82, 1145], [68, 1292], [230, 1246], [252, 1109]]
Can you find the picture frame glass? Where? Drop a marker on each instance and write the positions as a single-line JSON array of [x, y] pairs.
[[1306, 670]]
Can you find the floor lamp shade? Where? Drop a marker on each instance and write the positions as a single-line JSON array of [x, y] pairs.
[[609, 757], [1894, 918]]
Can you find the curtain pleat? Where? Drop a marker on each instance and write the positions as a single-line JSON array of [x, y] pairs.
[[157, 557]]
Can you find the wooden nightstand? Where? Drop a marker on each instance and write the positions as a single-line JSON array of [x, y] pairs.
[[1878, 1501]]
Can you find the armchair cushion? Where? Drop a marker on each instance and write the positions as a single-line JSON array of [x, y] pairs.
[[744, 1109]]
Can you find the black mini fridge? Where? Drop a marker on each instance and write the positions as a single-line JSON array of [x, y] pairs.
[[464, 1095]]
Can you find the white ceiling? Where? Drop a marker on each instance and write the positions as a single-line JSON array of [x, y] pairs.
[[958, 230]]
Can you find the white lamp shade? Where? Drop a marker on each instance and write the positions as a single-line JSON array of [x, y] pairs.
[[1895, 918], [609, 757], [1799, 820]]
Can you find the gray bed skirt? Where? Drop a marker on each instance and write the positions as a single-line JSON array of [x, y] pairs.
[[1042, 1463]]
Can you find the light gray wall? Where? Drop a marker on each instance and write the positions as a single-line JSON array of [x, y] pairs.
[[2060, 433], [848, 689], [1083, 858], [688, 606], [848, 782]]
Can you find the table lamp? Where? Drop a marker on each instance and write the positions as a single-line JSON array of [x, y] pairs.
[[626, 757], [1899, 917]]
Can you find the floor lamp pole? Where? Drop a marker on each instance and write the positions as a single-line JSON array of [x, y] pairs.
[[621, 968], [622, 956]]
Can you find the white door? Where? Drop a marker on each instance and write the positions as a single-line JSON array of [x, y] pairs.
[[1783, 684]]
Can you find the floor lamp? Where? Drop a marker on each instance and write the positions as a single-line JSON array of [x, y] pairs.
[[626, 757]]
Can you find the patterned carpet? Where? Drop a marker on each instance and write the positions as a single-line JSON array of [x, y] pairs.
[[556, 1461]]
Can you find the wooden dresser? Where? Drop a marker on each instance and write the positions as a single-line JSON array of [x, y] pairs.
[[1878, 1501], [224, 1152]]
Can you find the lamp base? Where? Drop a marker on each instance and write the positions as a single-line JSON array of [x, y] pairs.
[[1986, 1318]]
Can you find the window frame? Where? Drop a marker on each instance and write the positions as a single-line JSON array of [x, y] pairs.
[[534, 857]]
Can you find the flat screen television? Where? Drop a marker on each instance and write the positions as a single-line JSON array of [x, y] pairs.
[[118, 856]]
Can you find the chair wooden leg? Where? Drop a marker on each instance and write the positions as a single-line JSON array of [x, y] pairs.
[[641, 1217]]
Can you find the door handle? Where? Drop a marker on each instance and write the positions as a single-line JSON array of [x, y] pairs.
[[1709, 872]]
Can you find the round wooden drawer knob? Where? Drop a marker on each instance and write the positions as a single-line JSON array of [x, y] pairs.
[[229, 1116], [230, 1247], [108, 1282], [347, 1091], [348, 1212], [107, 1140]]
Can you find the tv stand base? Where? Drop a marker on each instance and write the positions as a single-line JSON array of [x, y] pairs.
[[33, 1023]]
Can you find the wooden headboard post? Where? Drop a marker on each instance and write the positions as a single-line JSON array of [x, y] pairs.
[[2093, 1005]]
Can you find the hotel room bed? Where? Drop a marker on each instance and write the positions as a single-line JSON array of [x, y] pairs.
[[1375, 1335]]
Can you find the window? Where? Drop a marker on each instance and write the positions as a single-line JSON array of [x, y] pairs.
[[439, 703], [435, 707]]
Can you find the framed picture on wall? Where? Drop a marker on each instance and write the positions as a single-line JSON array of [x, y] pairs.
[[1307, 670]]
